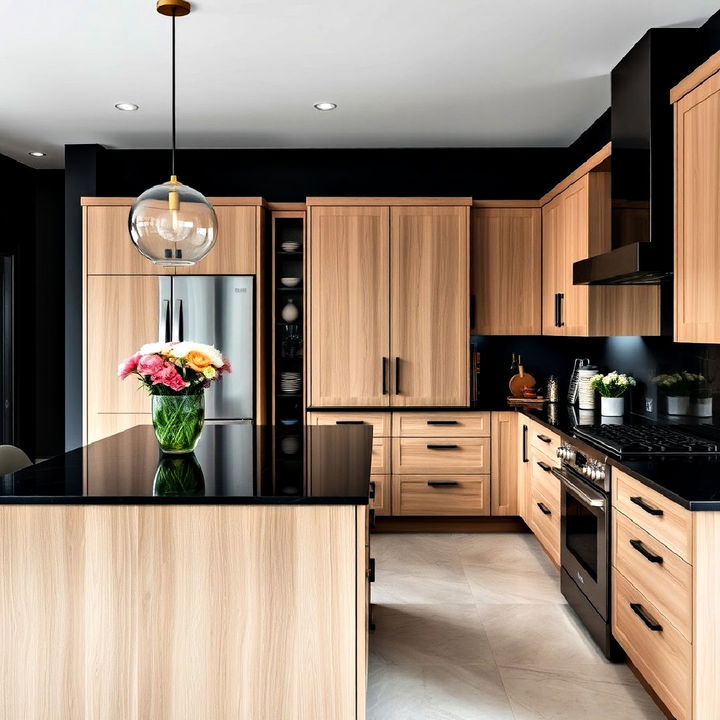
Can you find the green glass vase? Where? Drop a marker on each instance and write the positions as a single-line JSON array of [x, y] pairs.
[[178, 421]]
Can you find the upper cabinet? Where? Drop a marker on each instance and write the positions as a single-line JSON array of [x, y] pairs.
[[697, 203], [506, 270], [576, 225], [389, 303]]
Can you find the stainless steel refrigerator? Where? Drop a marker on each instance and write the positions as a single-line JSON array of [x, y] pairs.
[[220, 311]]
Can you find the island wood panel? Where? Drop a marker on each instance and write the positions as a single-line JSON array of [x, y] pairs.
[[504, 467], [122, 315], [235, 249], [697, 222], [349, 276], [110, 250], [146, 612], [506, 270], [430, 306]]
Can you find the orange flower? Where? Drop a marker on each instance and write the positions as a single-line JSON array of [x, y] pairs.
[[197, 361]]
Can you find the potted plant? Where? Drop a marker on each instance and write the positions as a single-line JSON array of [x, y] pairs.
[[700, 396], [176, 375], [676, 386], [612, 388]]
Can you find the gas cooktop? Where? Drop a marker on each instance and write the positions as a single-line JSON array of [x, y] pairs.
[[653, 439]]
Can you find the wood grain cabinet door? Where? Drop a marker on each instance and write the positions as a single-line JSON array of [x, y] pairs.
[[551, 278], [349, 275], [430, 305], [122, 315], [697, 228], [504, 465], [506, 270], [235, 249]]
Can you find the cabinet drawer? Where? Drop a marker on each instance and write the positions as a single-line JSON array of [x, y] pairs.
[[663, 655], [544, 440], [438, 424], [441, 495], [658, 573], [383, 492], [428, 456], [545, 521], [541, 477], [380, 421], [380, 464], [654, 513]]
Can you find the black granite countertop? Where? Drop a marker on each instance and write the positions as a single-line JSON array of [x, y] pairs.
[[690, 481], [233, 464]]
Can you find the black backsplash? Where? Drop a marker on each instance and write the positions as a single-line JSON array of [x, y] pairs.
[[641, 357]]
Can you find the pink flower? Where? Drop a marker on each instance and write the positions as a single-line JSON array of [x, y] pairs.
[[150, 364], [126, 367], [169, 376], [226, 367]]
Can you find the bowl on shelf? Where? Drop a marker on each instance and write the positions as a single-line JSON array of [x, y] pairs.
[[290, 282], [290, 246], [288, 422]]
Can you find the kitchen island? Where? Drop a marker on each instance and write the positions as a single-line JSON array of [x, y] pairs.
[[138, 586]]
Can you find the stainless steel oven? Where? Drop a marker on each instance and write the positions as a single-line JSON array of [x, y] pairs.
[[585, 541]]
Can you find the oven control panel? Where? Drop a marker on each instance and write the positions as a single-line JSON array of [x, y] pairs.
[[596, 471]]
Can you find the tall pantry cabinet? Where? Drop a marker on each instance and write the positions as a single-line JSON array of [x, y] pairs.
[[389, 302]]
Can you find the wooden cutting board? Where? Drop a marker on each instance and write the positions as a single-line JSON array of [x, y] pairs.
[[520, 381]]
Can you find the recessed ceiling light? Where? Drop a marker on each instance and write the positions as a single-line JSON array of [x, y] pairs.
[[324, 106], [37, 153], [128, 107]]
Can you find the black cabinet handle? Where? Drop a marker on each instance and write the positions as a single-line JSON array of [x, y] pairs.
[[544, 438], [637, 608], [472, 312], [561, 297], [384, 376], [371, 570], [443, 422], [525, 444], [544, 466], [372, 489], [647, 508], [442, 447], [557, 309], [349, 422], [645, 552], [442, 483], [397, 375], [544, 510]]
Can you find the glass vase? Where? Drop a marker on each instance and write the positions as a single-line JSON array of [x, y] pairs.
[[179, 476], [178, 421]]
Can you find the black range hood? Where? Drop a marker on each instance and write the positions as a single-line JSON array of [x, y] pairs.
[[642, 161]]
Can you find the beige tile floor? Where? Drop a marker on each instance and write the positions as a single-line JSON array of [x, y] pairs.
[[474, 627]]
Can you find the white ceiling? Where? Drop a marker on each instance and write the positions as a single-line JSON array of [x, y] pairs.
[[404, 73]]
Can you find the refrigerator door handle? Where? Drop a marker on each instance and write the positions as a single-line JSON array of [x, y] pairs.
[[164, 322], [177, 323]]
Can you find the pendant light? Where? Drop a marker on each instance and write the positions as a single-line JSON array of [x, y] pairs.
[[172, 224]]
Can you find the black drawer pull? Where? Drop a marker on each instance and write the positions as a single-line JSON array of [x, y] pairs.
[[647, 508], [637, 608], [443, 422], [371, 519], [442, 483], [349, 422], [371, 570], [443, 447], [544, 438], [544, 466], [544, 510], [646, 553], [372, 489]]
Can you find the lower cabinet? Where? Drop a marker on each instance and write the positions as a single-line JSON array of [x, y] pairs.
[[441, 495]]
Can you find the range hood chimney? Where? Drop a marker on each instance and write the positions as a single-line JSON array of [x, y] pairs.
[[642, 161]]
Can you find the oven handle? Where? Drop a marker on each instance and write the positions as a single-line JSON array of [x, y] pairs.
[[597, 501]]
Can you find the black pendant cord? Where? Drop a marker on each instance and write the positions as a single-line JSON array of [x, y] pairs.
[[173, 94]]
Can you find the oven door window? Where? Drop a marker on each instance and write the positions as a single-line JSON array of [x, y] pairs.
[[581, 539]]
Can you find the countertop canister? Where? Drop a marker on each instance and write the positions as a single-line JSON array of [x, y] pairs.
[[586, 392]]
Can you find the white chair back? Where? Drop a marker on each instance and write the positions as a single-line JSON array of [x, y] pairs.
[[12, 459]]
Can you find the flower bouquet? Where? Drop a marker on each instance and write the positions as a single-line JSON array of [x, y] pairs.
[[677, 387], [611, 388], [176, 376]]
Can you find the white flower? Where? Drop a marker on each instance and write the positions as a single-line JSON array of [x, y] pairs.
[[180, 350], [152, 348]]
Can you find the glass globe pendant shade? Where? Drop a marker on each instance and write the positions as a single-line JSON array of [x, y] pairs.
[[172, 224]]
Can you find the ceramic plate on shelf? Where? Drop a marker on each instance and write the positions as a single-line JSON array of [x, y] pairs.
[[290, 282], [290, 246]]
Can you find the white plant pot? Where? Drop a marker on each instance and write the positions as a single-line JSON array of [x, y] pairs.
[[701, 407], [612, 406], [678, 405]]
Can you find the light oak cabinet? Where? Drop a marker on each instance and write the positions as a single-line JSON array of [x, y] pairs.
[[389, 305], [504, 467], [576, 225], [697, 222], [506, 270]]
